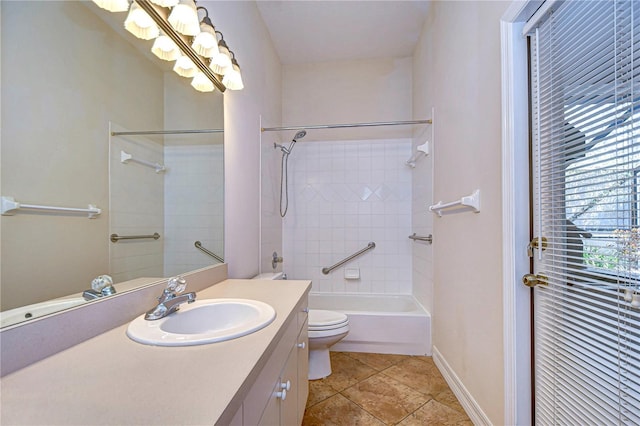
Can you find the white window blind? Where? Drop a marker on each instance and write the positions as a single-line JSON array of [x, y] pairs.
[[585, 116]]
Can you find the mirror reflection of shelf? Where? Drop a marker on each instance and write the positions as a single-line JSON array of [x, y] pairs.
[[126, 157]]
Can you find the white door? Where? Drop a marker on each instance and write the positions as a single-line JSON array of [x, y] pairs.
[[585, 121]]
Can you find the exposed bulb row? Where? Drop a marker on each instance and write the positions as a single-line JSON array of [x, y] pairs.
[[184, 19]]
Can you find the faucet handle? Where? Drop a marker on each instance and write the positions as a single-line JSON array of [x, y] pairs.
[[101, 282], [177, 284]]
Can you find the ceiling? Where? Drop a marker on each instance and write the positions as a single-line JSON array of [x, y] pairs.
[[320, 31]]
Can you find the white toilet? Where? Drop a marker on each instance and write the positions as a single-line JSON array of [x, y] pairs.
[[326, 328]]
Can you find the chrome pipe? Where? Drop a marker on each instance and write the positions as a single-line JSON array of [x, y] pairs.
[[115, 237], [369, 246], [167, 132], [198, 245], [341, 126]]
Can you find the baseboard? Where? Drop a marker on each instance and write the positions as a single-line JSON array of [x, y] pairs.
[[473, 410]]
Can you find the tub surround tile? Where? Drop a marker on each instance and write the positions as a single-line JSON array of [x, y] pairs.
[[386, 398]]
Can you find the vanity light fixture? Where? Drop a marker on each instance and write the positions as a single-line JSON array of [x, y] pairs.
[[199, 52], [165, 49], [206, 42], [221, 61], [140, 24], [113, 5], [185, 67], [184, 18], [232, 78], [165, 3], [201, 83]]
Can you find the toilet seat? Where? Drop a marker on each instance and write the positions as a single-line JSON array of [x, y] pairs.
[[320, 320]]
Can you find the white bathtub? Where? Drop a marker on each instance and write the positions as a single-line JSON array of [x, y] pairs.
[[388, 324]]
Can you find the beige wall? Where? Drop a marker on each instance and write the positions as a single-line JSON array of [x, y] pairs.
[[355, 91], [460, 53], [56, 109], [247, 36]]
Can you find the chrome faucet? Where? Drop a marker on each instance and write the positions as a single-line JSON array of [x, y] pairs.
[[100, 286], [169, 301]]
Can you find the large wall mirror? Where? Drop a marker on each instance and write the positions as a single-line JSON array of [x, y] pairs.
[[73, 85]]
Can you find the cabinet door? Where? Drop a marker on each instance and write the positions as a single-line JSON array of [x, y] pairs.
[[271, 414], [289, 380], [302, 348]]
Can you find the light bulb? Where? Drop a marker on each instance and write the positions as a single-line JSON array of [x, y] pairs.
[[222, 60], [140, 24], [185, 67], [165, 48], [202, 83], [232, 79], [184, 18], [165, 3], [206, 42], [113, 5]]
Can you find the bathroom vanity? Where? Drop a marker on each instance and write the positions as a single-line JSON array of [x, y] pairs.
[[109, 379]]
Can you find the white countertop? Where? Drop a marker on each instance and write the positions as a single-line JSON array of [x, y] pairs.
[[112, 380]]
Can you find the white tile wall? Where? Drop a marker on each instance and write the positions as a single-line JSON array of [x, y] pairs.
[[342, 195], [422, 219], [136, 208], [270, 220], [194, 209]]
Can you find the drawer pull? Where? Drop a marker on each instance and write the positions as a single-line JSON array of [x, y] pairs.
[[282, 395], [286, 386], [302, 345], [305, 310]]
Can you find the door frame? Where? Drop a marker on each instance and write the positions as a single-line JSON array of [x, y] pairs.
[[515, 214]]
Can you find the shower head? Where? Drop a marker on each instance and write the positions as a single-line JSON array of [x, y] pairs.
[[301, 134]]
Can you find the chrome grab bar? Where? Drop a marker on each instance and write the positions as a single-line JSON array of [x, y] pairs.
[[428, 238], [115, 237], [369, 246], [198, 245]]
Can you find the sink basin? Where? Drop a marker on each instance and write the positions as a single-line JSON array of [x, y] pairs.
[[14, 316], [202, 322]]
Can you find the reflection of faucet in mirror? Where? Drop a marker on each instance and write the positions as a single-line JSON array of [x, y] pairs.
[[169, 301], [100, 286]]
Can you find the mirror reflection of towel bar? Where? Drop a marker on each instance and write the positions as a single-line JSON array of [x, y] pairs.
[[198, 245], [115, 237], [9, 205]]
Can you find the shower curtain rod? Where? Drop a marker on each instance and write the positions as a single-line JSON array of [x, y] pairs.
[[166, 132], [339, 126]]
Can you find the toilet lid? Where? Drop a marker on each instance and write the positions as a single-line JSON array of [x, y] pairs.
[[319, 318]]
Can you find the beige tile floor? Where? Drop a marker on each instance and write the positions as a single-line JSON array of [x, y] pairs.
[[375, 389]]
